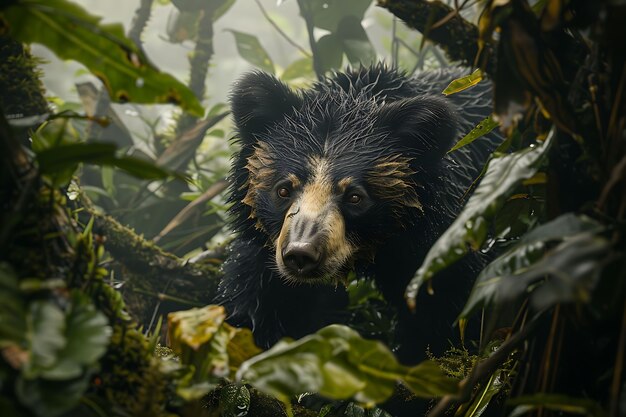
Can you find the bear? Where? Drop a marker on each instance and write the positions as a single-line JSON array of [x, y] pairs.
[[349, 175]]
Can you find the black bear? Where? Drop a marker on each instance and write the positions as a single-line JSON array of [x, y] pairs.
[[351, 174]]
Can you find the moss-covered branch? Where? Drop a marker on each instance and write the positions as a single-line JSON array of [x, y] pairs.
[[440, 24]]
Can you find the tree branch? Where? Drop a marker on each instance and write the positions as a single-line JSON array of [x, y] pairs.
[[442, 25]]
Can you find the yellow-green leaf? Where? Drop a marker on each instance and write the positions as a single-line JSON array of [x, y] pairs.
[[464, 83]]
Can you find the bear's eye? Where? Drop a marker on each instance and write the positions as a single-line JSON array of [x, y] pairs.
[[283, 192], [354, 198]]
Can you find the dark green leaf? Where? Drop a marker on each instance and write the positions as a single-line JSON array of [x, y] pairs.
[[355, 42], [481, 129], [464, 83], [329, 52], [327, 14], [72, 33], [252, 51], [469, 230], [67, 157], [572, 266], [337, 363]]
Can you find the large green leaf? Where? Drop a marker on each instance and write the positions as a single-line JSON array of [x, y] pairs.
[[252, 51], [328, 14], [469, 230], [72, 33], [66, 157], [337, 363], [571, 265], [62, 344], [356, 45], [329, 52]]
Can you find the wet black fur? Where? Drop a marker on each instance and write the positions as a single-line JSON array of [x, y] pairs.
[[356, 117]]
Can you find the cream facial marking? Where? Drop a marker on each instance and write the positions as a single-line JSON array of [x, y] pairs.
[[313, 235]]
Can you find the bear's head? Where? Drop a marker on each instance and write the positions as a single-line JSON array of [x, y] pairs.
[[329, 173]]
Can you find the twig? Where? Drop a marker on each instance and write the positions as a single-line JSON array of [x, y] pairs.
[[281, 32], [184, 214], [142, 15], [457, 37], [308, 18]]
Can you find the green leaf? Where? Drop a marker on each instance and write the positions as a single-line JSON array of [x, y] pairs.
[[87, 336], [469, 230], [46, 336], [72, 33], [328, 14], [507, 278], [355, 42], [464, 83], [329, 52], [481, 129], [252, 51], [556, 402], [301, 68], [337, 363], [67, 157]]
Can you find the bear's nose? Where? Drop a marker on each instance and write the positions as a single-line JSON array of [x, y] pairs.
[[301, 257]]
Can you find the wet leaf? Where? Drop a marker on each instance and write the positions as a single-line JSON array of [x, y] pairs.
[[571, 266], [481, 129], [252, 51], [464, 83], [469, 230], [72, 33], [337, 363]]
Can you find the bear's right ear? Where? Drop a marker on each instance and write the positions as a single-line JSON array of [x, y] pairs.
[[259, 100]]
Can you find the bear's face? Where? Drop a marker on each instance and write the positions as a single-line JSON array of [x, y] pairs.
[[329, 175]]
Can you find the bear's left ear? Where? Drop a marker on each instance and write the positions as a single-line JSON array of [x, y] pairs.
[[259, 100], [426, 125]]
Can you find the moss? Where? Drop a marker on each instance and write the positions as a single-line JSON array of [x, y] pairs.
[[21, 91]]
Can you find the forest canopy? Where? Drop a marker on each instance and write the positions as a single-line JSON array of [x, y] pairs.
[[114, 224]]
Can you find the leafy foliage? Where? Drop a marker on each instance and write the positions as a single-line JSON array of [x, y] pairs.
[[123, 69]]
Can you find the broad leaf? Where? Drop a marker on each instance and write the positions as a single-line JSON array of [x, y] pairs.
[[337, 363], [329, 52], [469, 230], [252, 51], [464, 83], [328, 14], [72, 33], [508, 277], [481, 129], [356, 45], [65, 158]]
